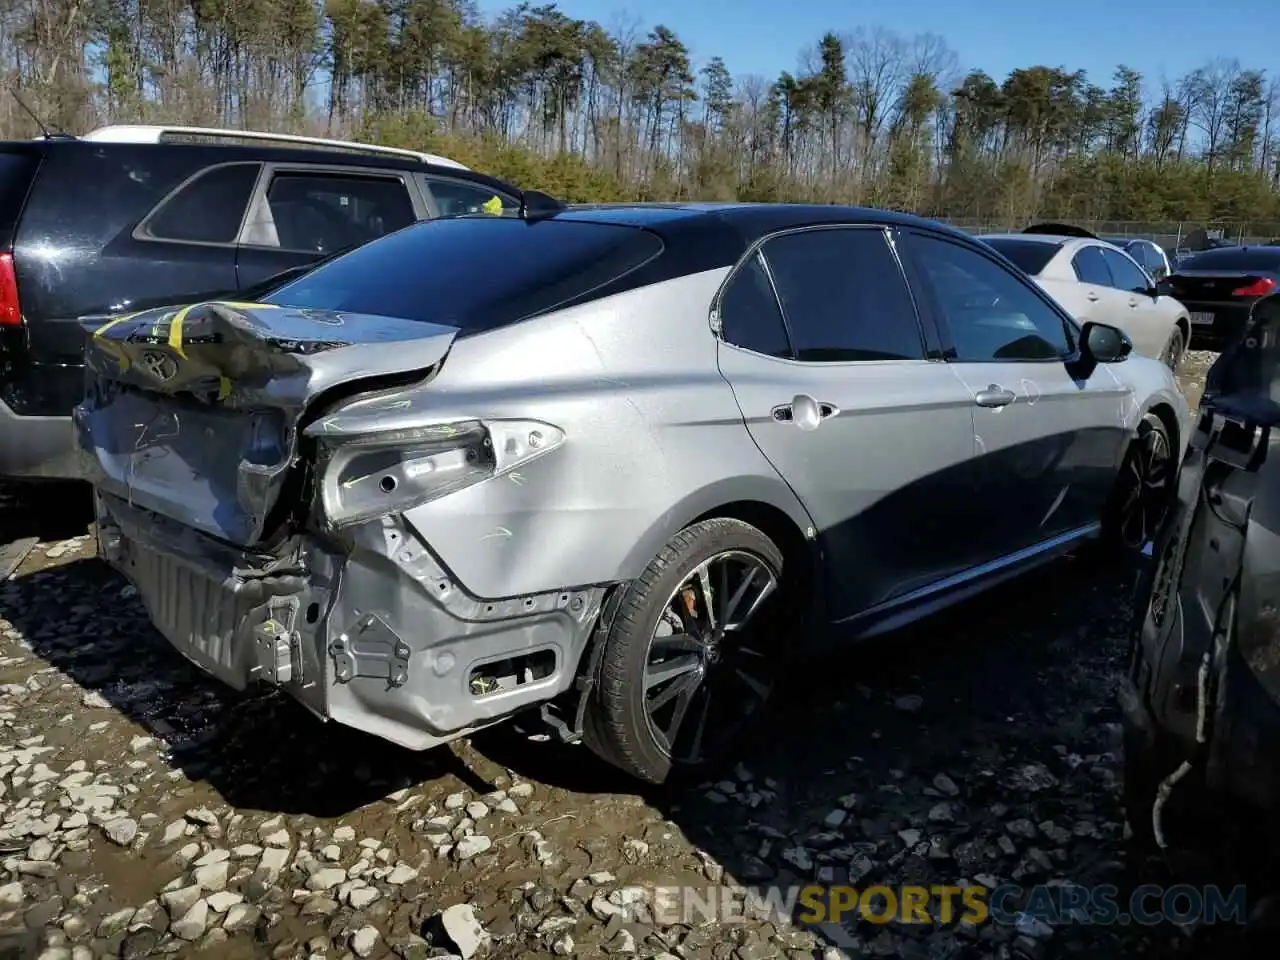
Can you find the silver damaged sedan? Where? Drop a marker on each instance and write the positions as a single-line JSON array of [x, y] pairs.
[[618, 464]]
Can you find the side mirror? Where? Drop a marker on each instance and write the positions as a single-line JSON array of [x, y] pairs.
[[1105, 343], [1163, 287]]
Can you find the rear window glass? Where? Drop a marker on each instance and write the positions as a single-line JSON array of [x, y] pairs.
[[1029, 256], [1234, 258], [16, 172], [474, 273]]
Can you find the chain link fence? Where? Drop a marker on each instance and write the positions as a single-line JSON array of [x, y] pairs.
[[1170, 234]]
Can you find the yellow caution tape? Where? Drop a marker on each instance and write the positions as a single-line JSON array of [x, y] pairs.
[[175, 328], [111, 323], [493, 205], [111, 347]]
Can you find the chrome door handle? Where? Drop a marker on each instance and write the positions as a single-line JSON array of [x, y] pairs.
[[804, 411], [994, 396]]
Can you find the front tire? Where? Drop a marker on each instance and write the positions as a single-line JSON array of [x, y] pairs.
[[1173, 352], [692, 656], [1143, 491]]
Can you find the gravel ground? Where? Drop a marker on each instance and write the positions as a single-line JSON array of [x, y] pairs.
[[144, 810]]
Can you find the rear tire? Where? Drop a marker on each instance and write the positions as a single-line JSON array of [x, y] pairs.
[[1144, 490], [662, 650]]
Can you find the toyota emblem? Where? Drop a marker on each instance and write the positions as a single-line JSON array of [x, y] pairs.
[[160, 365]]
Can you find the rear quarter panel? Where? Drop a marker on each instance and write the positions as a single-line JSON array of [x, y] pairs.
[[654, 439]]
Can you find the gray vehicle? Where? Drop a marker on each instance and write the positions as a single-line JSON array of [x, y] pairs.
[[620, 464]]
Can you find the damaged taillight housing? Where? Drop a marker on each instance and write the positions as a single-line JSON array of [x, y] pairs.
[[388, 472]]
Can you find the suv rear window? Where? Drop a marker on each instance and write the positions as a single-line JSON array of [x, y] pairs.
[[1234, 258], [1029, 256], [16, 173], [474, 273]]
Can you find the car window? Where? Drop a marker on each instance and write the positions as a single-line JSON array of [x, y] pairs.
[[457, 197], [1091, 267], [208, 209], [844, 296], [991, 313], [324, 212], [474, 273], [17, 170], [1127, 275], [1147, 256], [1029, 256], [749, 313]]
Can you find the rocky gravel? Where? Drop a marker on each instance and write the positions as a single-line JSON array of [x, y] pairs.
[[147, 811]]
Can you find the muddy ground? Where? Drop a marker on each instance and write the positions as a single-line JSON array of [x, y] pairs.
[[144, 810]]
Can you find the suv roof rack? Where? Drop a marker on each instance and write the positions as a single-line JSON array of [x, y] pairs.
[[146, 133]]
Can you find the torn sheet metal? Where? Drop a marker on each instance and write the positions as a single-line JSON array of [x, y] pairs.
[[193, 412]]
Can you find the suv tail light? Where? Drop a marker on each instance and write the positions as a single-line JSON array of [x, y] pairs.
[[10, 309], [1259, 288]]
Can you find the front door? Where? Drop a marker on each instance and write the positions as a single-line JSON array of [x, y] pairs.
[[825, 353], [1048, 436], [1145, 321]]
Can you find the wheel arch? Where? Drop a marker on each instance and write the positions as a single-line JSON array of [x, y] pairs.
[[770, 506], [1164, 412]]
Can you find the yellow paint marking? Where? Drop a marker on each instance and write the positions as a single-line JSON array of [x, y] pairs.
[[111, 323]]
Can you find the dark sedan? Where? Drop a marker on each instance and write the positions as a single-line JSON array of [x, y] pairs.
[[1219, 287]]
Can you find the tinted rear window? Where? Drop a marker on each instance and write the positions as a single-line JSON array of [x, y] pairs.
[[16, 173], [1029, 256], [475, 273], [1234, 258]]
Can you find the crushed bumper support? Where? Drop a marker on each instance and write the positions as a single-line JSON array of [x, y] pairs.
[[371, 632]]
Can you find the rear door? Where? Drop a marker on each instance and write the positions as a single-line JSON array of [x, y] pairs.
[[301, 213], [825, 353], [1144, 319], [1048, 442]]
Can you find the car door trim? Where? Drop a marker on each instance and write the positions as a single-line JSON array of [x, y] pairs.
[[943, 593]]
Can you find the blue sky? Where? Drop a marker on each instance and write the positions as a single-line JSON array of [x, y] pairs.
[[1157, 37]]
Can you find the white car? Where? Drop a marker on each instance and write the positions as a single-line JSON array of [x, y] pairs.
[[1095, 280]]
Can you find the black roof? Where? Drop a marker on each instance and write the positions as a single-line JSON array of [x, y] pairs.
[[735, 226]]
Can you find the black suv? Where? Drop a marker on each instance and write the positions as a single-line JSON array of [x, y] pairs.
[[128, 218]]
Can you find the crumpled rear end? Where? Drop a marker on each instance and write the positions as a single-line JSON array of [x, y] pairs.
[[265, 529]]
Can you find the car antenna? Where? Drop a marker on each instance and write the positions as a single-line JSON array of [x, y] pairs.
[[535, 204], [48, 134]]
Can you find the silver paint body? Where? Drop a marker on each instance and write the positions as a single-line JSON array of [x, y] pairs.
[[662, 423], [1148, 321]]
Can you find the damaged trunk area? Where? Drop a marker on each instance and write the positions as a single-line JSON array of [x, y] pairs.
[[256, 468], [1202, 701], [197, 413]]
